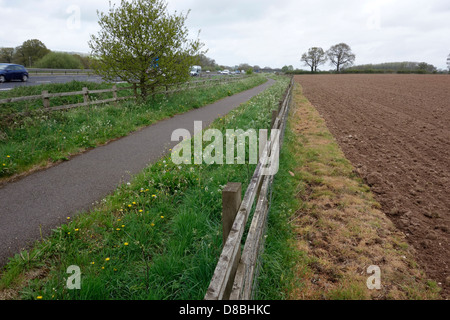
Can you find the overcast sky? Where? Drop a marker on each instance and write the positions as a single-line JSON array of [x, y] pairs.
[[258, 32]]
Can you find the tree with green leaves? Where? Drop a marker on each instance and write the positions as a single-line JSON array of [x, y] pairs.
[[140, 42], [6, 55], [341, 55], [30, 52], [314, 58]]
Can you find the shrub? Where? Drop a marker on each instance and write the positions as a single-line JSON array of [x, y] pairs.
[[59, 60]]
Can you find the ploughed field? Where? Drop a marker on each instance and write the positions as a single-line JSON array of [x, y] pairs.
[[395, 129]]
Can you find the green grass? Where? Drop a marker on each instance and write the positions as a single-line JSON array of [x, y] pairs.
[[43, 138], [157, 238]]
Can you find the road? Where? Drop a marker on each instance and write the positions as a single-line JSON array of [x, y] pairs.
[[37, 80], [42, 201]]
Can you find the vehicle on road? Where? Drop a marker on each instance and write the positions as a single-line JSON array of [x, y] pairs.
[[226, 71], [10, 72], [196, 71]]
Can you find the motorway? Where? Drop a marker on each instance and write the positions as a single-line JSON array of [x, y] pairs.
[[46, 79]]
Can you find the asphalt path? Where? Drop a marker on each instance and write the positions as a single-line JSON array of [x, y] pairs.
[[42, 201], [37, 80]]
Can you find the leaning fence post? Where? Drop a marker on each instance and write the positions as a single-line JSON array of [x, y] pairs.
[[46, 99], [231, 201]]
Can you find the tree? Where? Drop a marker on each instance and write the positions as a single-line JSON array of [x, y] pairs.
[[206, 63], [448, 62], [140, 42], [314, 57], [341, 55], [6, 55], [30, 52], [59, 60]]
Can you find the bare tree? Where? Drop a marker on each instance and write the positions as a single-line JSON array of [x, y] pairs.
[[341, 55], [314, 57]]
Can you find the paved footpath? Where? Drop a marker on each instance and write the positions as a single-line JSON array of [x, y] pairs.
[[42, 201]]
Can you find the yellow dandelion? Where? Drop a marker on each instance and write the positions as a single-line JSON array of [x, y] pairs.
[[68, 218], [77, 230], [125, 244], [93, 262], [141, 211], [107, 259], [118, 229], [129, 206], [123, 226], [162, 217], [134, 203], [39, 297], [8, 156], [152, 224]]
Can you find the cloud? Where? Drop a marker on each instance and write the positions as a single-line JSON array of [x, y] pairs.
[[259, 32]]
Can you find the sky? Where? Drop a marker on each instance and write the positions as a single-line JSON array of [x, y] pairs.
[[258, 32]]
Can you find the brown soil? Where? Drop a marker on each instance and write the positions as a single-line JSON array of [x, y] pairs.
[[395, 129]]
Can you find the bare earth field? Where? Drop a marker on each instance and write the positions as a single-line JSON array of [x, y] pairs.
[[395, 129]]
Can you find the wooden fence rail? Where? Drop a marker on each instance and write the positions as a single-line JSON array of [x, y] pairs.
[[45, 96], [235, 274]]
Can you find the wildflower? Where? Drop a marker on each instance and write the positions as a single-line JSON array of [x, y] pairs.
[[129, 206], [8, 156], [107, 259], [123, 226], [152, 224], [39, 297], [162, 217], [141, 211], [134, 203], [68, 218], [118, 229], [77, 230], [125, 244], [93, 262], [154, 195]]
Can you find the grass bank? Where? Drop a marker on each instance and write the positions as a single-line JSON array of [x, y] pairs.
[[158, 237], [42, 139], [327, 221]]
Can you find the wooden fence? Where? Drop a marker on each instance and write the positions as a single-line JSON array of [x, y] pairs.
[[236, 272], [45, 96]]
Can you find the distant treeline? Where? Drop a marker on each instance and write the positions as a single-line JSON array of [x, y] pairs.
[[388, 67]]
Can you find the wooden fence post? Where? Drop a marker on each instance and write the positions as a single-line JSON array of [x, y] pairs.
[[86, 95], [115, 93], [45, 99], [231, 201]]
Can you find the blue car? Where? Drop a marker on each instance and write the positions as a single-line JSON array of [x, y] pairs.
[[9, 72]]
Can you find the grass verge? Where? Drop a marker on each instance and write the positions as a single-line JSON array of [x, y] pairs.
[[158, 237], [40, 140], [326, 220]]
